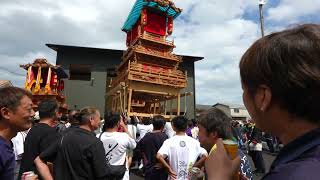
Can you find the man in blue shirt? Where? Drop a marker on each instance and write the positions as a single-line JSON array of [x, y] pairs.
[[15, 115]]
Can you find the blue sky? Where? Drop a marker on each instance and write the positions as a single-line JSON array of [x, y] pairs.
[[220, 31], [253, 13]]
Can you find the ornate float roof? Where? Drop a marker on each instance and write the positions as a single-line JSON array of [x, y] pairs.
[[165, 6], [43, 63]]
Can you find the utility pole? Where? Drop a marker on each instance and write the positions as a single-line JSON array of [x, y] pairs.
[[261, 3]]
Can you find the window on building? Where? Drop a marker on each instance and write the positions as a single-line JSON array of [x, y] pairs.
[[236, 110], [80, 72]]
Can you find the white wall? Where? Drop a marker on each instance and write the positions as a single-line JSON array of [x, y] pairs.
[[241, 113]]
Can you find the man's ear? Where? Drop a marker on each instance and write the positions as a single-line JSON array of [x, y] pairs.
[[213, 135], [263, 98], [173, 128], [5, 113], [91, 120]]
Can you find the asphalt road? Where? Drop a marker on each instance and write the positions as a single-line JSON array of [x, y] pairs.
[[268, 159]]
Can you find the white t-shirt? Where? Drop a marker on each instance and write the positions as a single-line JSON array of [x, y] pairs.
[[182, 152], [18, 147], [195, 132], [117, 143], [143, 130], [168, 130], [204, 152], [132, 131]]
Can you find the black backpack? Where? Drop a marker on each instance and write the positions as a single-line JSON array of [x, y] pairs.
[[115, 171]]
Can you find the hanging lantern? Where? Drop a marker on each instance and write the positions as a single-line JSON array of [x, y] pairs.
[[144, 17], [128, 38], [54, 81], [170, 25], [61, 86]]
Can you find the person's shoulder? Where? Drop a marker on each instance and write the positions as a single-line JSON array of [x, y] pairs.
[[41, 125], [36, 132], [101, 134], [148, 135], [171, 140], [192, 140], [2, 142], [6, 151], [131, 126], [93, 143], [174, 139], [163, 135], [294, 172], [167, 144], [97, 141], [151, 135], [119, 135], [300, 169], [41, 128], [311, 154], [34, 129], [91, 139], [77, 133], [3, 146], [55, 129]]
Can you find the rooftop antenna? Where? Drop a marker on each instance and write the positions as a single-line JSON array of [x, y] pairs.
[[261, 3]]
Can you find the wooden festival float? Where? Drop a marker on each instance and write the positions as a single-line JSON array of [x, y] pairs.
[[44, 82], [148, 80]]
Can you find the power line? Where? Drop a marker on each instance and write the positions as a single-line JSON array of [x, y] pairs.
[[11, 72]]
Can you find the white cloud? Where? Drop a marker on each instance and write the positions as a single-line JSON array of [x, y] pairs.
[[211, 12], [289, 11]]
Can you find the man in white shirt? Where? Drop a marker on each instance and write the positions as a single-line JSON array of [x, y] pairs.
[[132, 129], [168, 130], [116, 144], [144, 128], [181, 150]]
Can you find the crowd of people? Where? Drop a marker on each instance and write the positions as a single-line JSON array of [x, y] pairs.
[[280, 76], [67, 148]]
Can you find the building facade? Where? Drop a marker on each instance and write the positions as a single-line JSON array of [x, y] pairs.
[[235, 111]]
